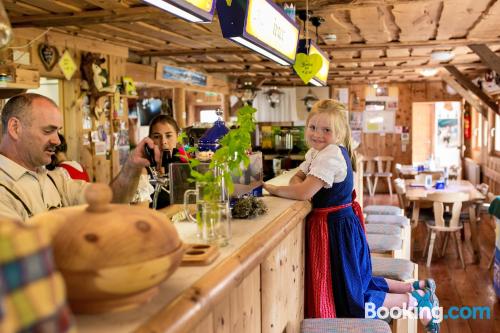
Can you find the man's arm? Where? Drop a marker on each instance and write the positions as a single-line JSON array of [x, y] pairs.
[[125, 184]]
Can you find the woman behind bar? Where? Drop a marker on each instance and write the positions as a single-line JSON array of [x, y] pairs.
[[72, 169], [163, 130], [339, 281]]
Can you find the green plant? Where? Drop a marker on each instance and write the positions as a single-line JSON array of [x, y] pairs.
[[227, 160], [248, 207]]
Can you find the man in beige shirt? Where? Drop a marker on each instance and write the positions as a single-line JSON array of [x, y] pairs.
[[30, 123]]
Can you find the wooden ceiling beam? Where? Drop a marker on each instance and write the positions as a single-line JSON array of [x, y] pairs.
[[340, 69], [371, 76], [266, 62], [464, 81], [466, 95], [340, 47], [487, 56], [140, 13]]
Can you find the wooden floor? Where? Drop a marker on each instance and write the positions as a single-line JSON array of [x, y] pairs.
[[456, 286]]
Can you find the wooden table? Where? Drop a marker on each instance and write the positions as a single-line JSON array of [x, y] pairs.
[[408, 171], [418, 194]]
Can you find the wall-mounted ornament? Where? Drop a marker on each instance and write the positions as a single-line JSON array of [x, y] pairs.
[[67, 65], [48, 55], [307, 66]]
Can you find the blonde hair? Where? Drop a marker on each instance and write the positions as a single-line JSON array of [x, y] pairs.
[[339, 123]]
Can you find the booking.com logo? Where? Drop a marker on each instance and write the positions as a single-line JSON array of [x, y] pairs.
[[437, 313]]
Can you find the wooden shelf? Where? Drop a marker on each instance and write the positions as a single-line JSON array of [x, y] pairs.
[[13, 85], [9, 89]]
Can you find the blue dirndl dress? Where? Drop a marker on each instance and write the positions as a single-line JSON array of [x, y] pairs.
[[350, 263]]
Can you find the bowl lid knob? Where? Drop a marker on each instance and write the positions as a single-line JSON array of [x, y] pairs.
[[98, 196]]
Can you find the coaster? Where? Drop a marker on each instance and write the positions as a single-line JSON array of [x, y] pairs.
[[199, 254]]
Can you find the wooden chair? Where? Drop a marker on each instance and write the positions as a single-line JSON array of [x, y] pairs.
[[441, 201], [368, 171], [384, 170], [404, 203]]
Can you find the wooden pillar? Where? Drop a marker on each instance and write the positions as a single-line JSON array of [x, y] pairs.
[[179, 101], [70, 106], [226, 106]]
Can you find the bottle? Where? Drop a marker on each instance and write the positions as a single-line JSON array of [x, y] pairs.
[[446, 176]]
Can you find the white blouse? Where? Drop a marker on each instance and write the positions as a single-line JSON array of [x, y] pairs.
[[327, 164]]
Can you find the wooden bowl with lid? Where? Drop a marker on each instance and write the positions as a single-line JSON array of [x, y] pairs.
[[112, 256]]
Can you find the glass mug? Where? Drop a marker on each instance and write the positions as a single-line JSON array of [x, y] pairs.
[[213, 218]]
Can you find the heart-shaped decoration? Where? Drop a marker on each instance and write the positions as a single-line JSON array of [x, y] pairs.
[[48, 55], [228, 2], [306, 66]]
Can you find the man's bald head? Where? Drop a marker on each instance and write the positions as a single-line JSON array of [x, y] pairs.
[[20, 107]]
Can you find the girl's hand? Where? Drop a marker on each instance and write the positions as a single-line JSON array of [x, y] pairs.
[[272, 189]]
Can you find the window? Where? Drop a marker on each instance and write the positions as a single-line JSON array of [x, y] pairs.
[[477, 130], [208, 116], [496, 135]]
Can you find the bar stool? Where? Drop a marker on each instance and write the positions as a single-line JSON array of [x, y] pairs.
[[385, 245], [396, 246], [401, 270], [344, 325], [368, 171], [382, 210], [384, 170]]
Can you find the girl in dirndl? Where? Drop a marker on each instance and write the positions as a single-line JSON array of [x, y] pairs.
[[339, 280]]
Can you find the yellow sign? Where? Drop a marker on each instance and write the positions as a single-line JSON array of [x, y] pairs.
[[272, 28], [205, 5], [67, 65], [322, 74], [307, 66]]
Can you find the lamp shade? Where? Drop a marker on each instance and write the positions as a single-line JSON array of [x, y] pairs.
[[201, 11], [273, 96], [261, 26], [321, 77], [309, 99]]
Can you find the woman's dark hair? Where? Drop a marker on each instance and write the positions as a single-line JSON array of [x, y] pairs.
[[62, 147], [163, 119]]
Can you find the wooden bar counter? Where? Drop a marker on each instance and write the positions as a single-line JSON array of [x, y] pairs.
[[255, 285]]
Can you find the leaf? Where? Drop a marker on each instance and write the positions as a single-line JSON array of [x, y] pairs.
[[194, 163], [307, 66]]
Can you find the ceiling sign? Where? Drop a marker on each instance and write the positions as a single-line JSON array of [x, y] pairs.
[[178, 74], [321, 77], [261, 26]]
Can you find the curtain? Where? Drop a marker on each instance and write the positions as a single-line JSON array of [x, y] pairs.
[[285, 111]]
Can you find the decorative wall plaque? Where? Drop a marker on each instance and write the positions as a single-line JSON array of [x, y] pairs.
[[48, 55]]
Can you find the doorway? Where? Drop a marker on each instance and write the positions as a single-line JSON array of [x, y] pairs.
[[436, 133], [49, 88]]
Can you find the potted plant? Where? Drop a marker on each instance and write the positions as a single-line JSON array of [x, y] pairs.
[[214, 186]]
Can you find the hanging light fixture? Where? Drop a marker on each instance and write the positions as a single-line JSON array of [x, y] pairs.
[[261, 26], [247, 92], [309, 100], [5, 28], [192, 11], [273, 96]]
